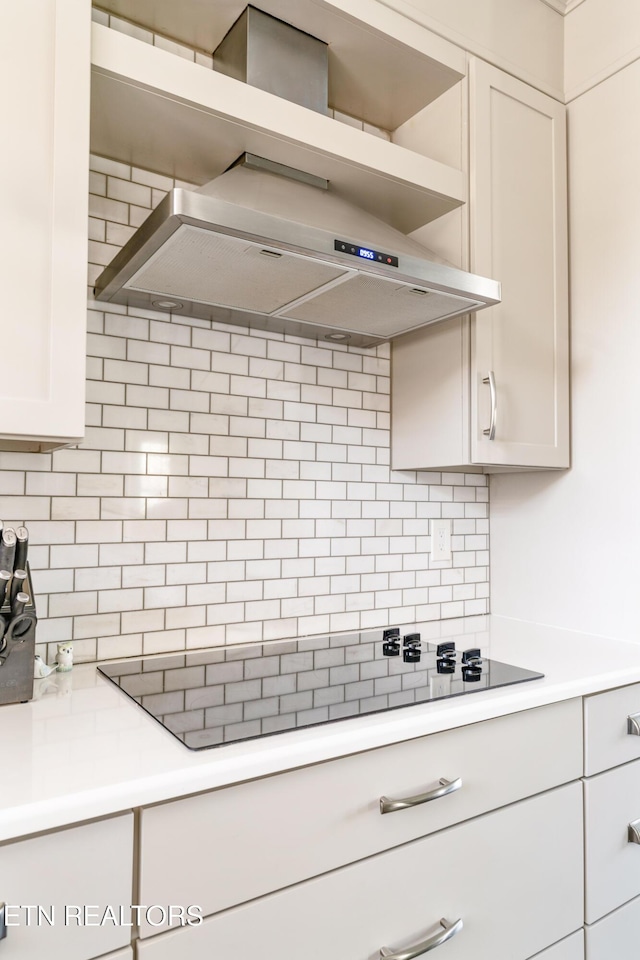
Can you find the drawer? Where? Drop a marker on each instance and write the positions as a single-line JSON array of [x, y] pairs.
[[571, 948], [612, 802], [616, 936], [127, 954], [238, 843], [514, 878], [86, 865], [607, 742]]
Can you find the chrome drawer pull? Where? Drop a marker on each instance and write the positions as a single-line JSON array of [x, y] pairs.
[[633, 832], [633, 724], [450, 930], [387, 805], [3, 926]]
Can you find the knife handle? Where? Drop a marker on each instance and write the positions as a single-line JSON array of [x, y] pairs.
[[18, 605], [22, 546], [17, 585], [7, 548], [5, 577]]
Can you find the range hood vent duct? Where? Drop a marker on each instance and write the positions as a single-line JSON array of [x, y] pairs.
[[270, 54], [270, 247]]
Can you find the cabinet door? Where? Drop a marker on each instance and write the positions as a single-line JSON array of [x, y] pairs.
[[610, 722], [615, 937], [572, 948], [518, 231], [612, 858], [514, 878], [44, 167], [57, 887]]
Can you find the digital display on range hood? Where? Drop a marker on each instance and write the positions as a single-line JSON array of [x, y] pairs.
[[344, 246]]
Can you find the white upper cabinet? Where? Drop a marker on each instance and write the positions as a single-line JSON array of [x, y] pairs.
[[44, 74], [519, 235], [492, 392]]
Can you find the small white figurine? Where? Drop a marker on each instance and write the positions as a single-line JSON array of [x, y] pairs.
[[65, 657], [40, 668]]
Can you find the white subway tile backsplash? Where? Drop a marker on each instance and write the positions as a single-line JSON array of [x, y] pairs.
[[101, 208], [122, 599], [163, 641], [124, 417], [174, 596], [116, 325], [233, 484], [99, 531], [121, 553], [137, 215], [128, 372], [75, 508], [46, 484], [98, 578]]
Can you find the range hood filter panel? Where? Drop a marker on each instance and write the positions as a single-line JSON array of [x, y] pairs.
[[378, 307], [188, 267]]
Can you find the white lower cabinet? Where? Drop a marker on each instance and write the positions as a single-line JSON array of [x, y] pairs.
[[227, 845], [513, 877], [616, 936], [611, 725], [612, 804], [72, 875], [571, 948], [612, 824]]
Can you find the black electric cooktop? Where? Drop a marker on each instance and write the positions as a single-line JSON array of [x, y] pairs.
[[236, 693]]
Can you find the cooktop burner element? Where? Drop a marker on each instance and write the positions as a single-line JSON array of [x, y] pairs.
[[238, 693]]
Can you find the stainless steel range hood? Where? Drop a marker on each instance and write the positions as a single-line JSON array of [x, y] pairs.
[[257, 249], [266, 246]]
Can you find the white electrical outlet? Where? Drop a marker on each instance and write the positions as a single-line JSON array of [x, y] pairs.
[[441, 539]]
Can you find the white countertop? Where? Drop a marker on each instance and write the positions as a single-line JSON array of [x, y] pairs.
[[84, 749]]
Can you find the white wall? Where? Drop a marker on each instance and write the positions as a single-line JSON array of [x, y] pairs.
[[564, 547], [523, 37], [601, 37]]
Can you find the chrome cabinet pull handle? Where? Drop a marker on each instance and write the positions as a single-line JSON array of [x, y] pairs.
[[387, 805], [3, 926], [490, 432], [450, 930], [633, 724], [633, 832]]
